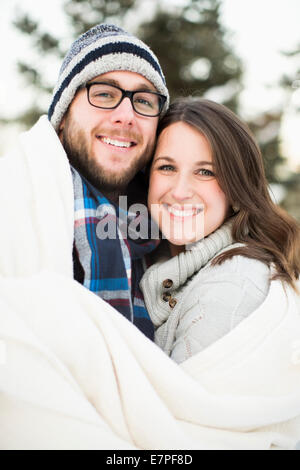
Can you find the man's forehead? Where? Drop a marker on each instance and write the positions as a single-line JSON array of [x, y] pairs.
[[126, 79]]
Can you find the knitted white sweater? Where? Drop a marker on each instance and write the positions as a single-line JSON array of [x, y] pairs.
[[203, 302]]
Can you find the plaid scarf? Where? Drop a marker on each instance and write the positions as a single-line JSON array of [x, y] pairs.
[[111, 268]]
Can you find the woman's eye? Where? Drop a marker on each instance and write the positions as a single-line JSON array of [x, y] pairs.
[[206, 173], [166, 168]]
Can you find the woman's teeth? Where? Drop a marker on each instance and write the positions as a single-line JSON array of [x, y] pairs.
[[116, 143], [183, 213]]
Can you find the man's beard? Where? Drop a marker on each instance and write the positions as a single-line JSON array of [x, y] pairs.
[[111, 184]]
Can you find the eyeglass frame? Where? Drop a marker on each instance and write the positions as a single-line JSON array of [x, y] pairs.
[[126, 94]]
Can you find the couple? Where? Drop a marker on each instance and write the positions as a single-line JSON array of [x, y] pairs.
[[225, 242], [204, 157]]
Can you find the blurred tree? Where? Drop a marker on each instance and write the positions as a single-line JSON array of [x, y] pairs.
[[291, 202], [291, 83], [82, 15], [266, 129], [199, 60], [194, 49], [189, 40]]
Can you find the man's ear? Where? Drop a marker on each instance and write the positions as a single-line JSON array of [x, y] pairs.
[[61, 128], [62, 124]]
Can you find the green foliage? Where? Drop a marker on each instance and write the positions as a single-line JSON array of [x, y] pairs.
[[33, 77], [46, 42], [193, 51], [189, 41], [266, 130], [30, 116], [83, 14], [291, 201], [26, 25], [291, 83]]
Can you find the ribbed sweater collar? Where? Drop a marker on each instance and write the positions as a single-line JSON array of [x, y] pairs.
[[186, 264], [199, 254], [179, 269]]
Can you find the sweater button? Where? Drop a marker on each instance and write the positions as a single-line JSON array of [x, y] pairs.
[[172, 303], [166, 296], [167, 283]]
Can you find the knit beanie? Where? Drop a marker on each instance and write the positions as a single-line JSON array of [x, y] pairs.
[[104, 48]]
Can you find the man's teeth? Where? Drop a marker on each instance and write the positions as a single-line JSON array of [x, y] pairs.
[[184, 213], [116, 143]]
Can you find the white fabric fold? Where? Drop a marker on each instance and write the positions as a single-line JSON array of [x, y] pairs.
[[78, 375]]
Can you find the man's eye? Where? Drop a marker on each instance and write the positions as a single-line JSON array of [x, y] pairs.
[[102, 94], [144, 102]]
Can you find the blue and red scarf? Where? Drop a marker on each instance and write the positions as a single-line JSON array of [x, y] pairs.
[[112, 267]]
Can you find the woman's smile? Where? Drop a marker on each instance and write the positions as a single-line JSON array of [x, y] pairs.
[[183, 212]]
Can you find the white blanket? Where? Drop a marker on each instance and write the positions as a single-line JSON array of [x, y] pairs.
[[74, 374]]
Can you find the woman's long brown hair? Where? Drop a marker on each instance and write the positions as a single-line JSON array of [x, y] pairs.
[[268, 232]]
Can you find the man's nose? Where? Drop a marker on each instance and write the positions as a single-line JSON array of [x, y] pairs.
[[123, 113], [182, 189]]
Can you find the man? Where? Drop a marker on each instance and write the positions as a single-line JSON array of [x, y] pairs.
[[105, 110]]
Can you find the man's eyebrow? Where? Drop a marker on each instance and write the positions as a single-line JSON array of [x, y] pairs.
[[145, 87], [139, 87]]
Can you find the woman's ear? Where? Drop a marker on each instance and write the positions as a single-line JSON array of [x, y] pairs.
[[235, 208]]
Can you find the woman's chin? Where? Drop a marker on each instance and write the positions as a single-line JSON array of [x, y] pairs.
[[182, 242]]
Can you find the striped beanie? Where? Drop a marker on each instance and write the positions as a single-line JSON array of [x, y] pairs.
[[104, 48]]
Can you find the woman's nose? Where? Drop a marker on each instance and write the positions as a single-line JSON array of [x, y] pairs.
[[182, 189]]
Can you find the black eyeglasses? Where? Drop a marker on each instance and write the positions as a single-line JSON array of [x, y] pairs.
[[146, 103]]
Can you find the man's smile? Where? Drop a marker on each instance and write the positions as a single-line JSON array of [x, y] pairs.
[[118, 142]]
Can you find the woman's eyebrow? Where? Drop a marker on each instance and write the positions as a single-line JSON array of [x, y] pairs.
[[204, 162], [168, 159]]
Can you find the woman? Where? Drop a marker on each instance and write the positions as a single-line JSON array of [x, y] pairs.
[[227, 239]]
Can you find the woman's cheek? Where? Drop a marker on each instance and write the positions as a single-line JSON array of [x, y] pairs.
[[154, 188], [156, 192]]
